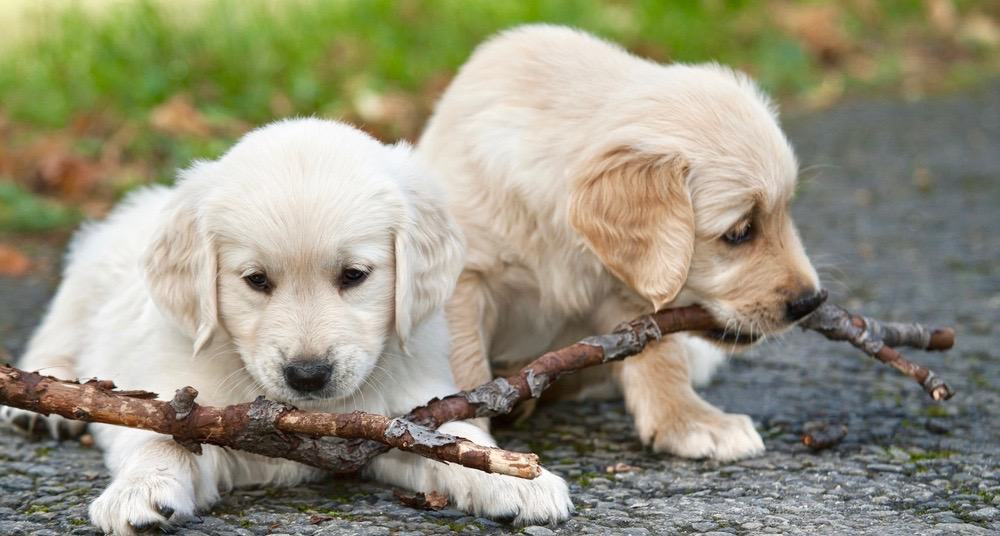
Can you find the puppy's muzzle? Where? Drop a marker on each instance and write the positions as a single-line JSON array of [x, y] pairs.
[[803, 304], [307, 375]]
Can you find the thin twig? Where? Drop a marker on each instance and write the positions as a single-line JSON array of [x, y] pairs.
[[499, 396], [277, 430], [876, 339]]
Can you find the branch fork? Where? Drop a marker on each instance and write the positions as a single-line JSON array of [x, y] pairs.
[[345, 443]]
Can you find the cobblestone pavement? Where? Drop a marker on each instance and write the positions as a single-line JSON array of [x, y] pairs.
[[901, 205]]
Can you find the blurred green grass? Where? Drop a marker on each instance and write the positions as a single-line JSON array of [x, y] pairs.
[[24, 212], [162, 83]]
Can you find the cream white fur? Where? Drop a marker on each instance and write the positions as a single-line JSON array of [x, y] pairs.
[[153, 298], [593, 186]]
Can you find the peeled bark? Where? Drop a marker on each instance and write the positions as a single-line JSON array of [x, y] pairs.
[[262, 426], [499, 396], [278, 430]]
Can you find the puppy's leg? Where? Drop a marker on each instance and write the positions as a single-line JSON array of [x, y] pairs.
[[471, 321], [703, 359], [540, 501], [52, 351], [153, 480], [669, 414], [156, 481]]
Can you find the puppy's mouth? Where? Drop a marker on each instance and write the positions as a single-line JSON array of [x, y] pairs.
[[732, 337]]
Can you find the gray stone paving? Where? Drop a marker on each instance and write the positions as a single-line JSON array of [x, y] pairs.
[[903, 212]]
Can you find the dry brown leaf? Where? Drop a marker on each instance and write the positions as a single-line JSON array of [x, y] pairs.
[[429, 501], [619, 467], [819, 26], [942, 15], [178, 116], [66, 174], [13, 263], [317, 519]]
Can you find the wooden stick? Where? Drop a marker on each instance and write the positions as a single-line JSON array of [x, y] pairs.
[[262, 426], [877, 340], [499, 396], [278, 430]]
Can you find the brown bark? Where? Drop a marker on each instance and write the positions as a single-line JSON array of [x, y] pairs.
[[262, 426], [502, 394], [276, 430], [877, 340]]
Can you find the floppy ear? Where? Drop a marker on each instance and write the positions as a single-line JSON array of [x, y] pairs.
[[634, 211], [429, 252], [181, 265]]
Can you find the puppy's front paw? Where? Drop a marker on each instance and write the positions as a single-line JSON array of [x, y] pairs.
[[32, 423], [540, 501], [715, 435], [141, 503]]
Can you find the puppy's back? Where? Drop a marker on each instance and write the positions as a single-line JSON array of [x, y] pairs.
[[524, 75], [536, 101]]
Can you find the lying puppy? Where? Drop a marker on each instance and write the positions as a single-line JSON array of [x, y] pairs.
[[309, 264], [594, 186]]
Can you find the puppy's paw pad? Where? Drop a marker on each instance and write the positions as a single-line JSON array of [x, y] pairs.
[[35, 424], [723, 437], [140, 504]]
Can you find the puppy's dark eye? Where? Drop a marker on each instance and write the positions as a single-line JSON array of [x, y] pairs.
[[258, 281], [352, 277], [739, 234]]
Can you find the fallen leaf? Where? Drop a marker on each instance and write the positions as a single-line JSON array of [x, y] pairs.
[[820, 27], [13, 263], [942, 15], [619, 467], [429, 501], [178, 116], [316, 519], [819, 435], [52, 166]]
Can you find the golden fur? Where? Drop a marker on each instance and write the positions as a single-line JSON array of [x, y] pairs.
[[593, 186]]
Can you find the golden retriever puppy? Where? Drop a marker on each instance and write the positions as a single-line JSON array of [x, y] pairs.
[[309, 264], [594, 186]]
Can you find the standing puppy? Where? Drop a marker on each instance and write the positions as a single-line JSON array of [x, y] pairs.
[[594, 186], [309, 264]]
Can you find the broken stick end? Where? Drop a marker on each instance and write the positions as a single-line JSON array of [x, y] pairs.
[[516, 464], [942, 339]]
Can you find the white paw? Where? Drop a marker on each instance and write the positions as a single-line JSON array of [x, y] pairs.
[[32, 423], [540, 501], [718, 436], [143, 501]]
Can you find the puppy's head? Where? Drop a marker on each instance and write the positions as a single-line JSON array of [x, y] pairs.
[[687, 201], [309, 244]]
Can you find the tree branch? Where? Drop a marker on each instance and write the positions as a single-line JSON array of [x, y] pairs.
[[877, 340], [499, 396], [262, 426], [278, 430]]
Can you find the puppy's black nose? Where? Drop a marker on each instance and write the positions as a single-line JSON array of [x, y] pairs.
[[804, 304], [307, 375]]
